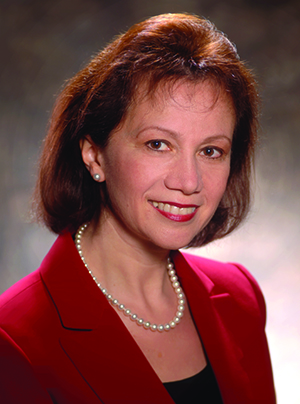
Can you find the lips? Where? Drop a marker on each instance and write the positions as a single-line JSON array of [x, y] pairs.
[[177, 213], [173, 209]]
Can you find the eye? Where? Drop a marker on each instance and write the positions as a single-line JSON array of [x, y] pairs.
[[212, 152], [158, 145]]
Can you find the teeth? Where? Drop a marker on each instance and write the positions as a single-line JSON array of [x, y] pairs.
[[166, 207], [174, 210]]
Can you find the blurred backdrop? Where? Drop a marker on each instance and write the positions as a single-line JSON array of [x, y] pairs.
[[43, 43]]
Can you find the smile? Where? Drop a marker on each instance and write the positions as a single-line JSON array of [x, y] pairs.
[[175, 213], [175, 210]]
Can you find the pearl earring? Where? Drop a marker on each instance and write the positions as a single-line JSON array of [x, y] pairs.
[[96, 177]]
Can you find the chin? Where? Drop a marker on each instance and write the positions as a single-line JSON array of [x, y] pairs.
[[174, 243]]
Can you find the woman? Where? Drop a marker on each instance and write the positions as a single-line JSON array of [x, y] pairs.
[[150, 150]]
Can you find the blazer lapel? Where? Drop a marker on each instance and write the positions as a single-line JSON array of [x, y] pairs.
[[209, 307], [104, 353], [93, 336]]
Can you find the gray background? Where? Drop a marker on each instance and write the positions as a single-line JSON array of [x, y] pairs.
[[45, 42]]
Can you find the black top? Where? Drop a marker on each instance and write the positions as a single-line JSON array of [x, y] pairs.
[[201, 388]]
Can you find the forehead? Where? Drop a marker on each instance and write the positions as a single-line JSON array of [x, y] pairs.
[[200, 96], [180, 107], [196, 97]]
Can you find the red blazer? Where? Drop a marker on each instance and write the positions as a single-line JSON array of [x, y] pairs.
[[62, 342]]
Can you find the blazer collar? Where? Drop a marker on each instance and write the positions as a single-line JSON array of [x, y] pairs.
[[104, 352], [212, 308], [81, 307], [73, 291], [69, 285]]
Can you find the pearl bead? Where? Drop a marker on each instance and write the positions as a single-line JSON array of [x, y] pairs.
[[160, 328], [153, 327]]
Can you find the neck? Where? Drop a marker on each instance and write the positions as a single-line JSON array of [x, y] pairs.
[[124, 264], [149, 291]]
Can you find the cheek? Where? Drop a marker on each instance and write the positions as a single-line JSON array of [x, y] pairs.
[[126, 181], [216, 183]]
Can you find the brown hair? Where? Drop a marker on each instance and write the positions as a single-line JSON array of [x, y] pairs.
[[162, 49]]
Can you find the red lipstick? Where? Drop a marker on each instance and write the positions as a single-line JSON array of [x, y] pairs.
[[177, 218], [187, 211]]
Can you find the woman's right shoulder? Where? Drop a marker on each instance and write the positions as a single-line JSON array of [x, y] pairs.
[[25, 314], [20, 287], [26, 305], [18, 381], [26, 288]]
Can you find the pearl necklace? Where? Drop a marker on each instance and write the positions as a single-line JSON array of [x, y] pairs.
[[127, 312]]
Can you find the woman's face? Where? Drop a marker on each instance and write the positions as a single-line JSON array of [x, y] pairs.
[[167, 166]]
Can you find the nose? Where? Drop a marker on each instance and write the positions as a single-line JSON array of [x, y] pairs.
[[184, 175]]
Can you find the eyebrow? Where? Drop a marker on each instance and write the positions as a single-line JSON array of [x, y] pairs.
[[160, 128], [176, 135], [217, 137]]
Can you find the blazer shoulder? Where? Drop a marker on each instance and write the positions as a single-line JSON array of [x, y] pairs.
[[232, 278], [19, 287], [26, 305], [18, 382]]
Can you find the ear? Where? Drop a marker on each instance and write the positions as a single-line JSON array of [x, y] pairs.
[[91, 156]]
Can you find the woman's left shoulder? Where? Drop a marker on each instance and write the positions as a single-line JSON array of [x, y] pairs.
[[222, 273], [231, 278]]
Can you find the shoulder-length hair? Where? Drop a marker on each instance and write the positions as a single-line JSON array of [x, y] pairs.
[[162, 49]]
